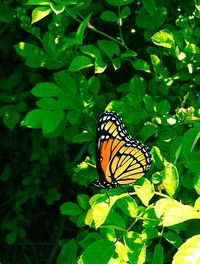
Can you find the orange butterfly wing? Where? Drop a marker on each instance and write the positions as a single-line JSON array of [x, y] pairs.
[[120, 159]]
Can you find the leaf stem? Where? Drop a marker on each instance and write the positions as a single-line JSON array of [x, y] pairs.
[[90, 26]]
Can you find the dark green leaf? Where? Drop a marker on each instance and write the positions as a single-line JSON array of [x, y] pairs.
[[173, 238], [109, 16], [68, 253], [158, 257], [11, 118], [150, 7], [119, 2]]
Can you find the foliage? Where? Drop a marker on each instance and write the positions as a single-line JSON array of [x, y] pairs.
[[68, 62]]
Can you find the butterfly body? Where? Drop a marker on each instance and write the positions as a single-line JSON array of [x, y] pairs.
[[120, 159]]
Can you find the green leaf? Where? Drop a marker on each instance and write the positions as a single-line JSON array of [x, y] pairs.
[[38, 2], [7, 13], [137, 248], [46, 89], [100, 66], [39, 13], [158, 68], [100, 252], [138, 86], [115, 220], [128, 54], [160, 16], [141, 65], [119, 2], [11, 238], [196, 182], [150, 7], [128, 205], [173, 238], [52, 120], [91, 50], [125, 12], [73, 116], [81, 30], [170, 179], [94, 85], [163, 107], [68, 253], [83, 201], [158, 256], [147, 131], [70, 208], [157, 157], [34, 56], [116, 63], [164, 38], [57, 9], [109, 16], [145, 192], [67, 82], [172, 212], [110, 47], [149, 103], [79, 63], [52, 196], [11, 118], [188, 252], [190, 139], [90, 239], [82, 137], [100, 209], [48, 103], [34, 118]]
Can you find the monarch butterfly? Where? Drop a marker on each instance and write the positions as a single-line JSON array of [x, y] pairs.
[[120, 159]]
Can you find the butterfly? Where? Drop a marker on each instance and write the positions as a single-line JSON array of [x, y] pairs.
[[120, 159]]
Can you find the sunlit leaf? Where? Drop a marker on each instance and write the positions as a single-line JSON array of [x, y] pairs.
[[170, 178], [188, 252], [39, 13], [145, 192], [164, 38], [172, 212]]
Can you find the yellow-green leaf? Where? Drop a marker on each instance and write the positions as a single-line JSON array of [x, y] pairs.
[[170, 179], [164, 38], [189, 252], [172, 212], [145, 192], [39, 13]]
